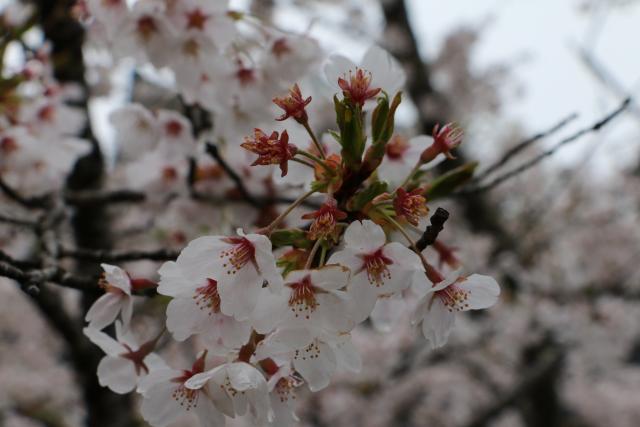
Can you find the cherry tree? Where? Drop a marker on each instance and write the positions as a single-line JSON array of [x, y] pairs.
[[234, 243]]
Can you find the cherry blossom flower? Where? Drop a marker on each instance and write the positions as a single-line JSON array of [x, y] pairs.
[[175, 131], [289, 58], [410, 206], [445, 139], [32, 170], [111, 14], [378, 268], [378, 69], [236, 389], [436, 309], [401, 157], [166, 397], [316, 358], [116, 300], [283, 382], [195, 309], [358, 87], [145, 34], [125, 362], [311, 299], [293, 105], [159, 172], [240, 264], [325, 220], [206, 18], [137, 130], [271, 150]]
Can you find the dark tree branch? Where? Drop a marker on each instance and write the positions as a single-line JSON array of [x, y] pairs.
[[97, 198], [522, 145], [537, 384], [214, 152], [537, 159], [34, 202], [17, 221], [430, 235], [39, 276], [114, 256]]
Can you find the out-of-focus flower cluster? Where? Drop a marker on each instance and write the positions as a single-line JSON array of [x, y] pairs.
[[331, 226], [271, 309]]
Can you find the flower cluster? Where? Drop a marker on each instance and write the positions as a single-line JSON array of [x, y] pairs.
[[35, 113], [226, 61], [272, 309]]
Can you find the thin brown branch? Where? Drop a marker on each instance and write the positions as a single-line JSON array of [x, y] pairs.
[[34, 202], [537, 159], [524, 144], [39, 276], [96, 198], [17, 221], [214, 152], [115, 256]]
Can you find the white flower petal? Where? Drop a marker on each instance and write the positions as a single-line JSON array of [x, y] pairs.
[[437, 324], [104, 311], [118, 374], [483, 291], [316, 363], [336, 67], [330, 277], [107, 344], [386, 71], [365, 236]]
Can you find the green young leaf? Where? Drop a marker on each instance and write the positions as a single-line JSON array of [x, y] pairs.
[[379, 117], [450, 181], [352, 139], [290, 237], [383, 125], [387, 132], [360, 199]]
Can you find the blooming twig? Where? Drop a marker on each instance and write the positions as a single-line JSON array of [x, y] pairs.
[[524, 144], [537, 159]]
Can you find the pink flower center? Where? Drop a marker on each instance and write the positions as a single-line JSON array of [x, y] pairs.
[[207, 297], [376, 264], [230, 389], [196, 19], [280, 47], [137, 357], [173, 128], [47, 113], [358, 86], [146, 26], [8, 145], [246, 76], [303, 297], [310, 352], [169, 174], [239, 254], [188, 398], [285, 388], [454, 298]]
